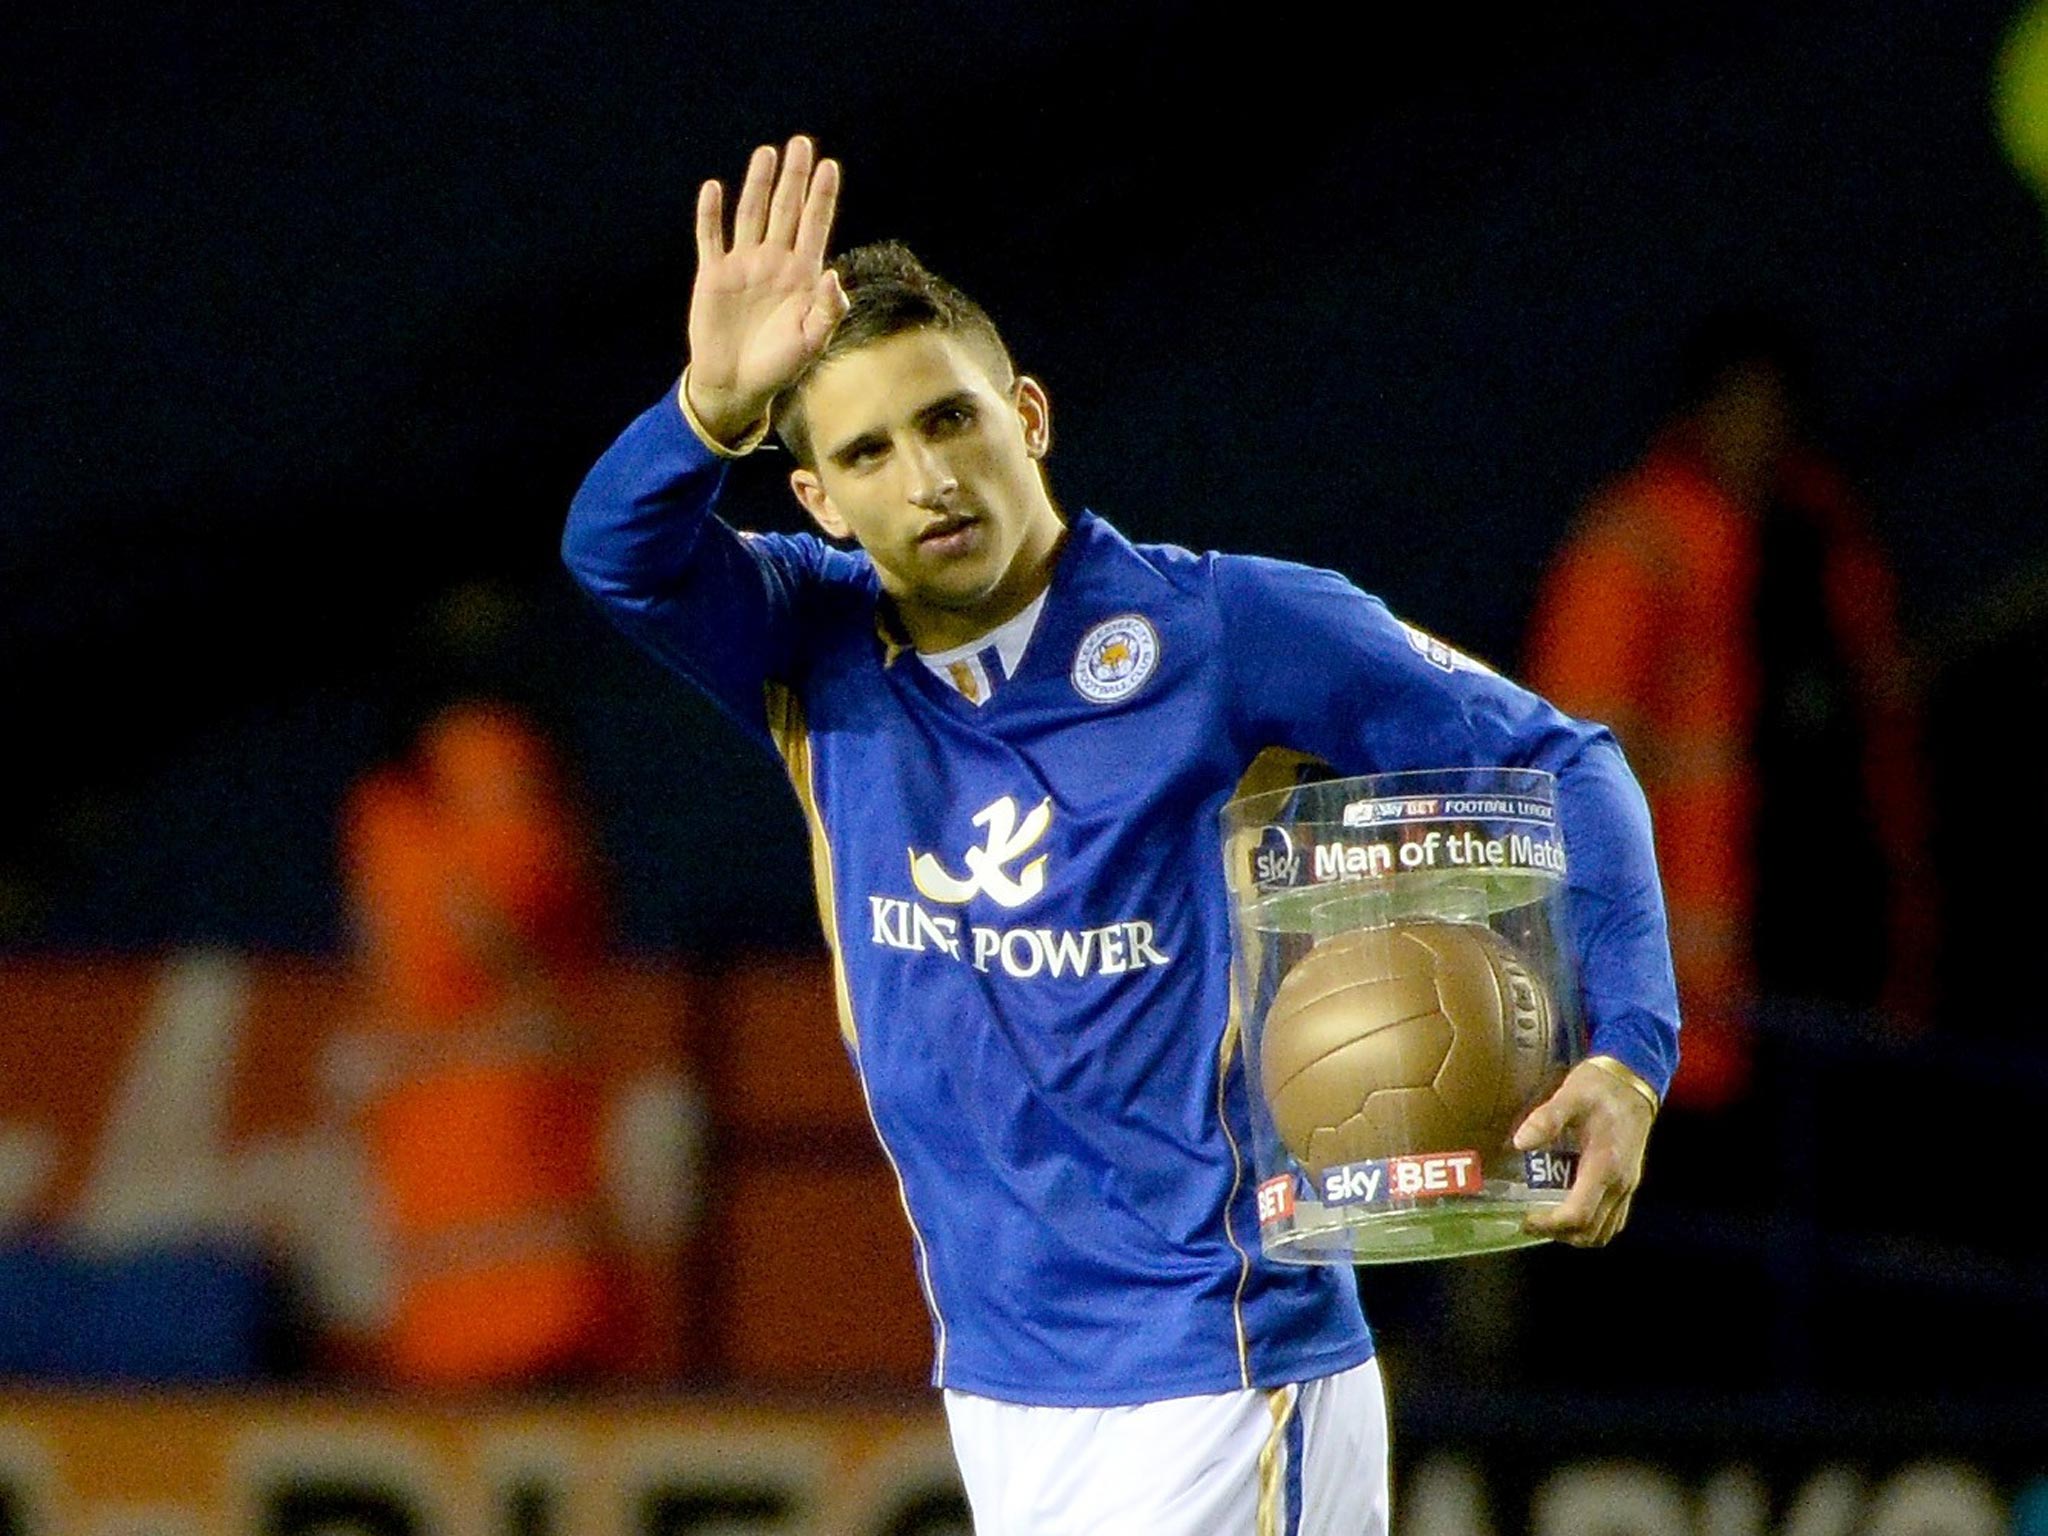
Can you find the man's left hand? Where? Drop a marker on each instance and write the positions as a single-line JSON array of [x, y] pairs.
[[1601, 1104]]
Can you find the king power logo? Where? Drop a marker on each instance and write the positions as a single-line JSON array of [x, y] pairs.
[[994, 871], [1007, 842]]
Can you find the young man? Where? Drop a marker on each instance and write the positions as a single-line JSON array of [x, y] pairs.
[[1011, 735]]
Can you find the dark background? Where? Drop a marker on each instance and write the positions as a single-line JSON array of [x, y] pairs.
[[306, 320]]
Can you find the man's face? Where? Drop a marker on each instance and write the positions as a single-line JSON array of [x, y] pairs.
[[931, 464]]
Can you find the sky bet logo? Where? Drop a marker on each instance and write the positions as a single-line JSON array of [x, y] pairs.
[[1431, 1176], [1276, 1199], [1276, 862], [1550, 1170]]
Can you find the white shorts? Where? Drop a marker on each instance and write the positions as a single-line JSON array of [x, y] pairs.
[[1307, 1460]]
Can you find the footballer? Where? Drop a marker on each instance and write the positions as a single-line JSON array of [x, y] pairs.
[[1010, 730]]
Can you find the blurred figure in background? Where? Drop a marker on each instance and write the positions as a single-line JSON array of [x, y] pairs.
[[475, 905], [1725, 608]]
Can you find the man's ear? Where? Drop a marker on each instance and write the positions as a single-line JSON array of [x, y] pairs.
[[810, 490], [1035, 411]]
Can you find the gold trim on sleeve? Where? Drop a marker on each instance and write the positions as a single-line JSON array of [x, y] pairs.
[[749, 441], [1621, 1071]]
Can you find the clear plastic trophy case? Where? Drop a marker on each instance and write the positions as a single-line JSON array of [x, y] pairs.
[[1403, 1000]]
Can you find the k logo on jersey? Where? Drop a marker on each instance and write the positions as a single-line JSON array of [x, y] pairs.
[[987, 874], [1003, 870]]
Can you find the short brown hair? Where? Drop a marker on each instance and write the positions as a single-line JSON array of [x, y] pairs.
[[890, 291]]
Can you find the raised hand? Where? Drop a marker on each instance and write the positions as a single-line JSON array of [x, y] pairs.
[[763, 305]]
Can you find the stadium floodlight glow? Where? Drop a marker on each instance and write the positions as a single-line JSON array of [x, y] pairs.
[[2019, 95]]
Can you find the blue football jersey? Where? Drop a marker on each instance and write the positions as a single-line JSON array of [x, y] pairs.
[[1026, 909]]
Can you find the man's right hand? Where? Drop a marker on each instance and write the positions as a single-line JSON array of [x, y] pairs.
[[762, 306]]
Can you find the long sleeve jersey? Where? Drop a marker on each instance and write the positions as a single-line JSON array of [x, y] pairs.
[[1026, 908]]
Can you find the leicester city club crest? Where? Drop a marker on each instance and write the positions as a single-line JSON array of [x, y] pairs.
[[1115, 659]]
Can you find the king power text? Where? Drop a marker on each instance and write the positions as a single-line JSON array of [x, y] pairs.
[[1024, 953]]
